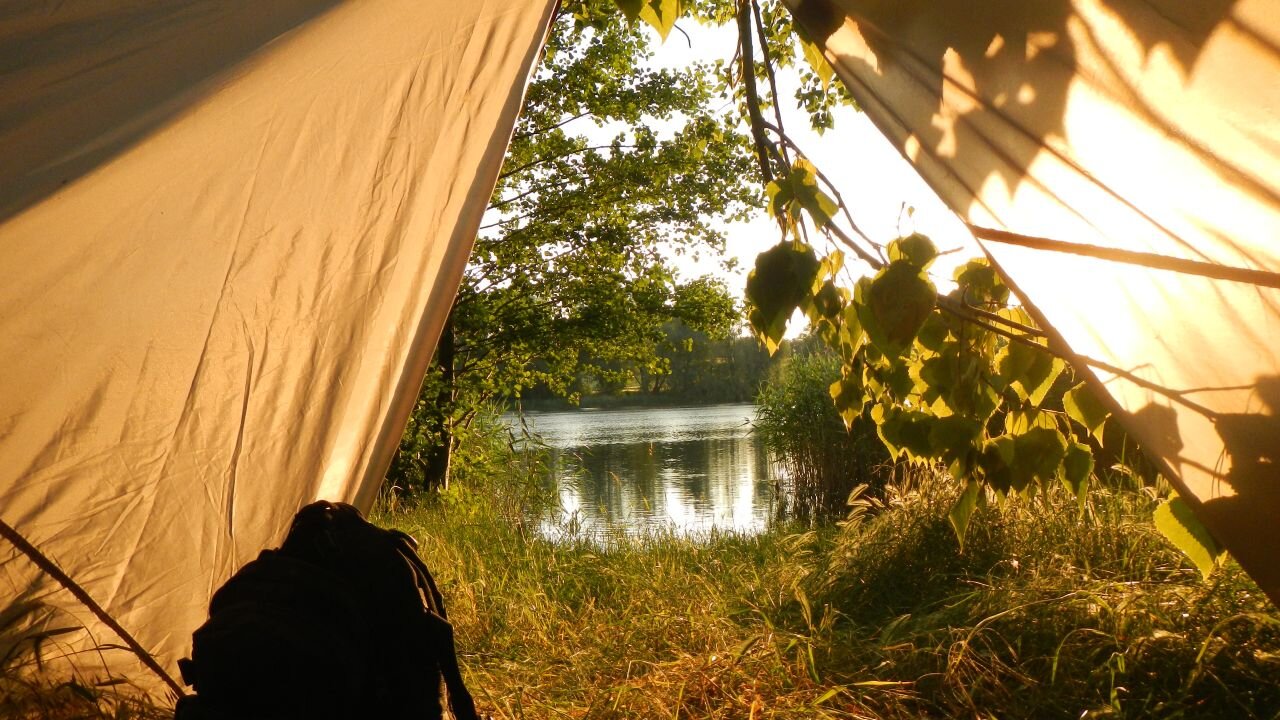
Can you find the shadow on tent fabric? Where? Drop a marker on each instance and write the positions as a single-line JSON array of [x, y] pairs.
[[98, 75], [1252, 444], [999, 46], [342, 621], [1248, 474]]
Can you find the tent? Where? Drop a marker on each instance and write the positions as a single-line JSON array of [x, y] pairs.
[[1119, 162], [231, 230]]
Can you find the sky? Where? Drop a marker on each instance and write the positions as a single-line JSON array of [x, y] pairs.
[[872, 177]]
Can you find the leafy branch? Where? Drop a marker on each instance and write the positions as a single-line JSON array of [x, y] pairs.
[[965, 380]]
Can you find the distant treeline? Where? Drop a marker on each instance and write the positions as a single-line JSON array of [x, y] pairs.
[[694, 369]]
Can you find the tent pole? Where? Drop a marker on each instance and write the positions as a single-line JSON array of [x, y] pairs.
[[51, 568]]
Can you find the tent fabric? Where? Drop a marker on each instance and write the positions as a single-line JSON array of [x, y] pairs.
[[1120, 162], [230, 232]]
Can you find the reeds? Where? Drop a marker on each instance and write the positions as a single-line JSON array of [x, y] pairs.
[[822, 460]]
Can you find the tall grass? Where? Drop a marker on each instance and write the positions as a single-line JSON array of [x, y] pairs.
[[38, 680], [1046, 613]]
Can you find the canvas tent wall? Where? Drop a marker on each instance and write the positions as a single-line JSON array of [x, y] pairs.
[[230, 231], [1120, 162]]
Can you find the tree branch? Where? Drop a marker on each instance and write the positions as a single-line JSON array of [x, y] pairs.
[[768, 67], [1075, 358], [534, 163], [844, 207], [752, 95], [549, 128], [527, 193], [994, 317]]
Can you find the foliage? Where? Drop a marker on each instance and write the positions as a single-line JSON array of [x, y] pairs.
[[823, 459], [697, 368], [788, 47], [572, 269], [962, 380], [1047, 613], [965, 380], [496, 471]]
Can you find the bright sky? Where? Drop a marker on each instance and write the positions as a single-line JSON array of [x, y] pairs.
[[874, 180]]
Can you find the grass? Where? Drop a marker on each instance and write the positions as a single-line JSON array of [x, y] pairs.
[[38, 680], [39, 697], [1044, 614]]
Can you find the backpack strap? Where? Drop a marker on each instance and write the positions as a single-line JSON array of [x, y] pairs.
[[461, 704]]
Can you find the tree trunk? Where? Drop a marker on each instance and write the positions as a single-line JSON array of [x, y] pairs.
[[440, 459]]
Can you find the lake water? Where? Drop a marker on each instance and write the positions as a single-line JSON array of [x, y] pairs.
[[633, 470]]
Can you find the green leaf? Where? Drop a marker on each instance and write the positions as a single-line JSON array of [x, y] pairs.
[[1175, 520], [780, 199], [897, 378], [1083, 406], [830, 265], [804, 187], [939, 372], [849, 398], [933, 334], [1076, 468], [1018, 422], [851, 335], [916, 249], [661, 15], [899, 300], [826, 302], [1041, 377], [985, 402], [631, 8], [979, 283], [954, 436], [782, 279], [1016, 314], [1012, 363], [1037, 454], [1028, 371], [798, 192], [903, 431], [996, 462], [818, 61], [963, 510]]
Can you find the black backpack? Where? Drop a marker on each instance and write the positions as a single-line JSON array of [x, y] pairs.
[[343, 621]]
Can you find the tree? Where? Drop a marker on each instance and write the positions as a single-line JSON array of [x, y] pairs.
[[571, 271]]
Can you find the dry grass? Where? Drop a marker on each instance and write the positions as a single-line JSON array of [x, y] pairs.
[[37, 697], [38, 679], [1044, 614]]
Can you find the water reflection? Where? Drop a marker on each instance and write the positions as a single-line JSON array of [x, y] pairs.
[[633, 470]]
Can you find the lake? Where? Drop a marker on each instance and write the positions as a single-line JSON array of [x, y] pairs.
[[633, 470]]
